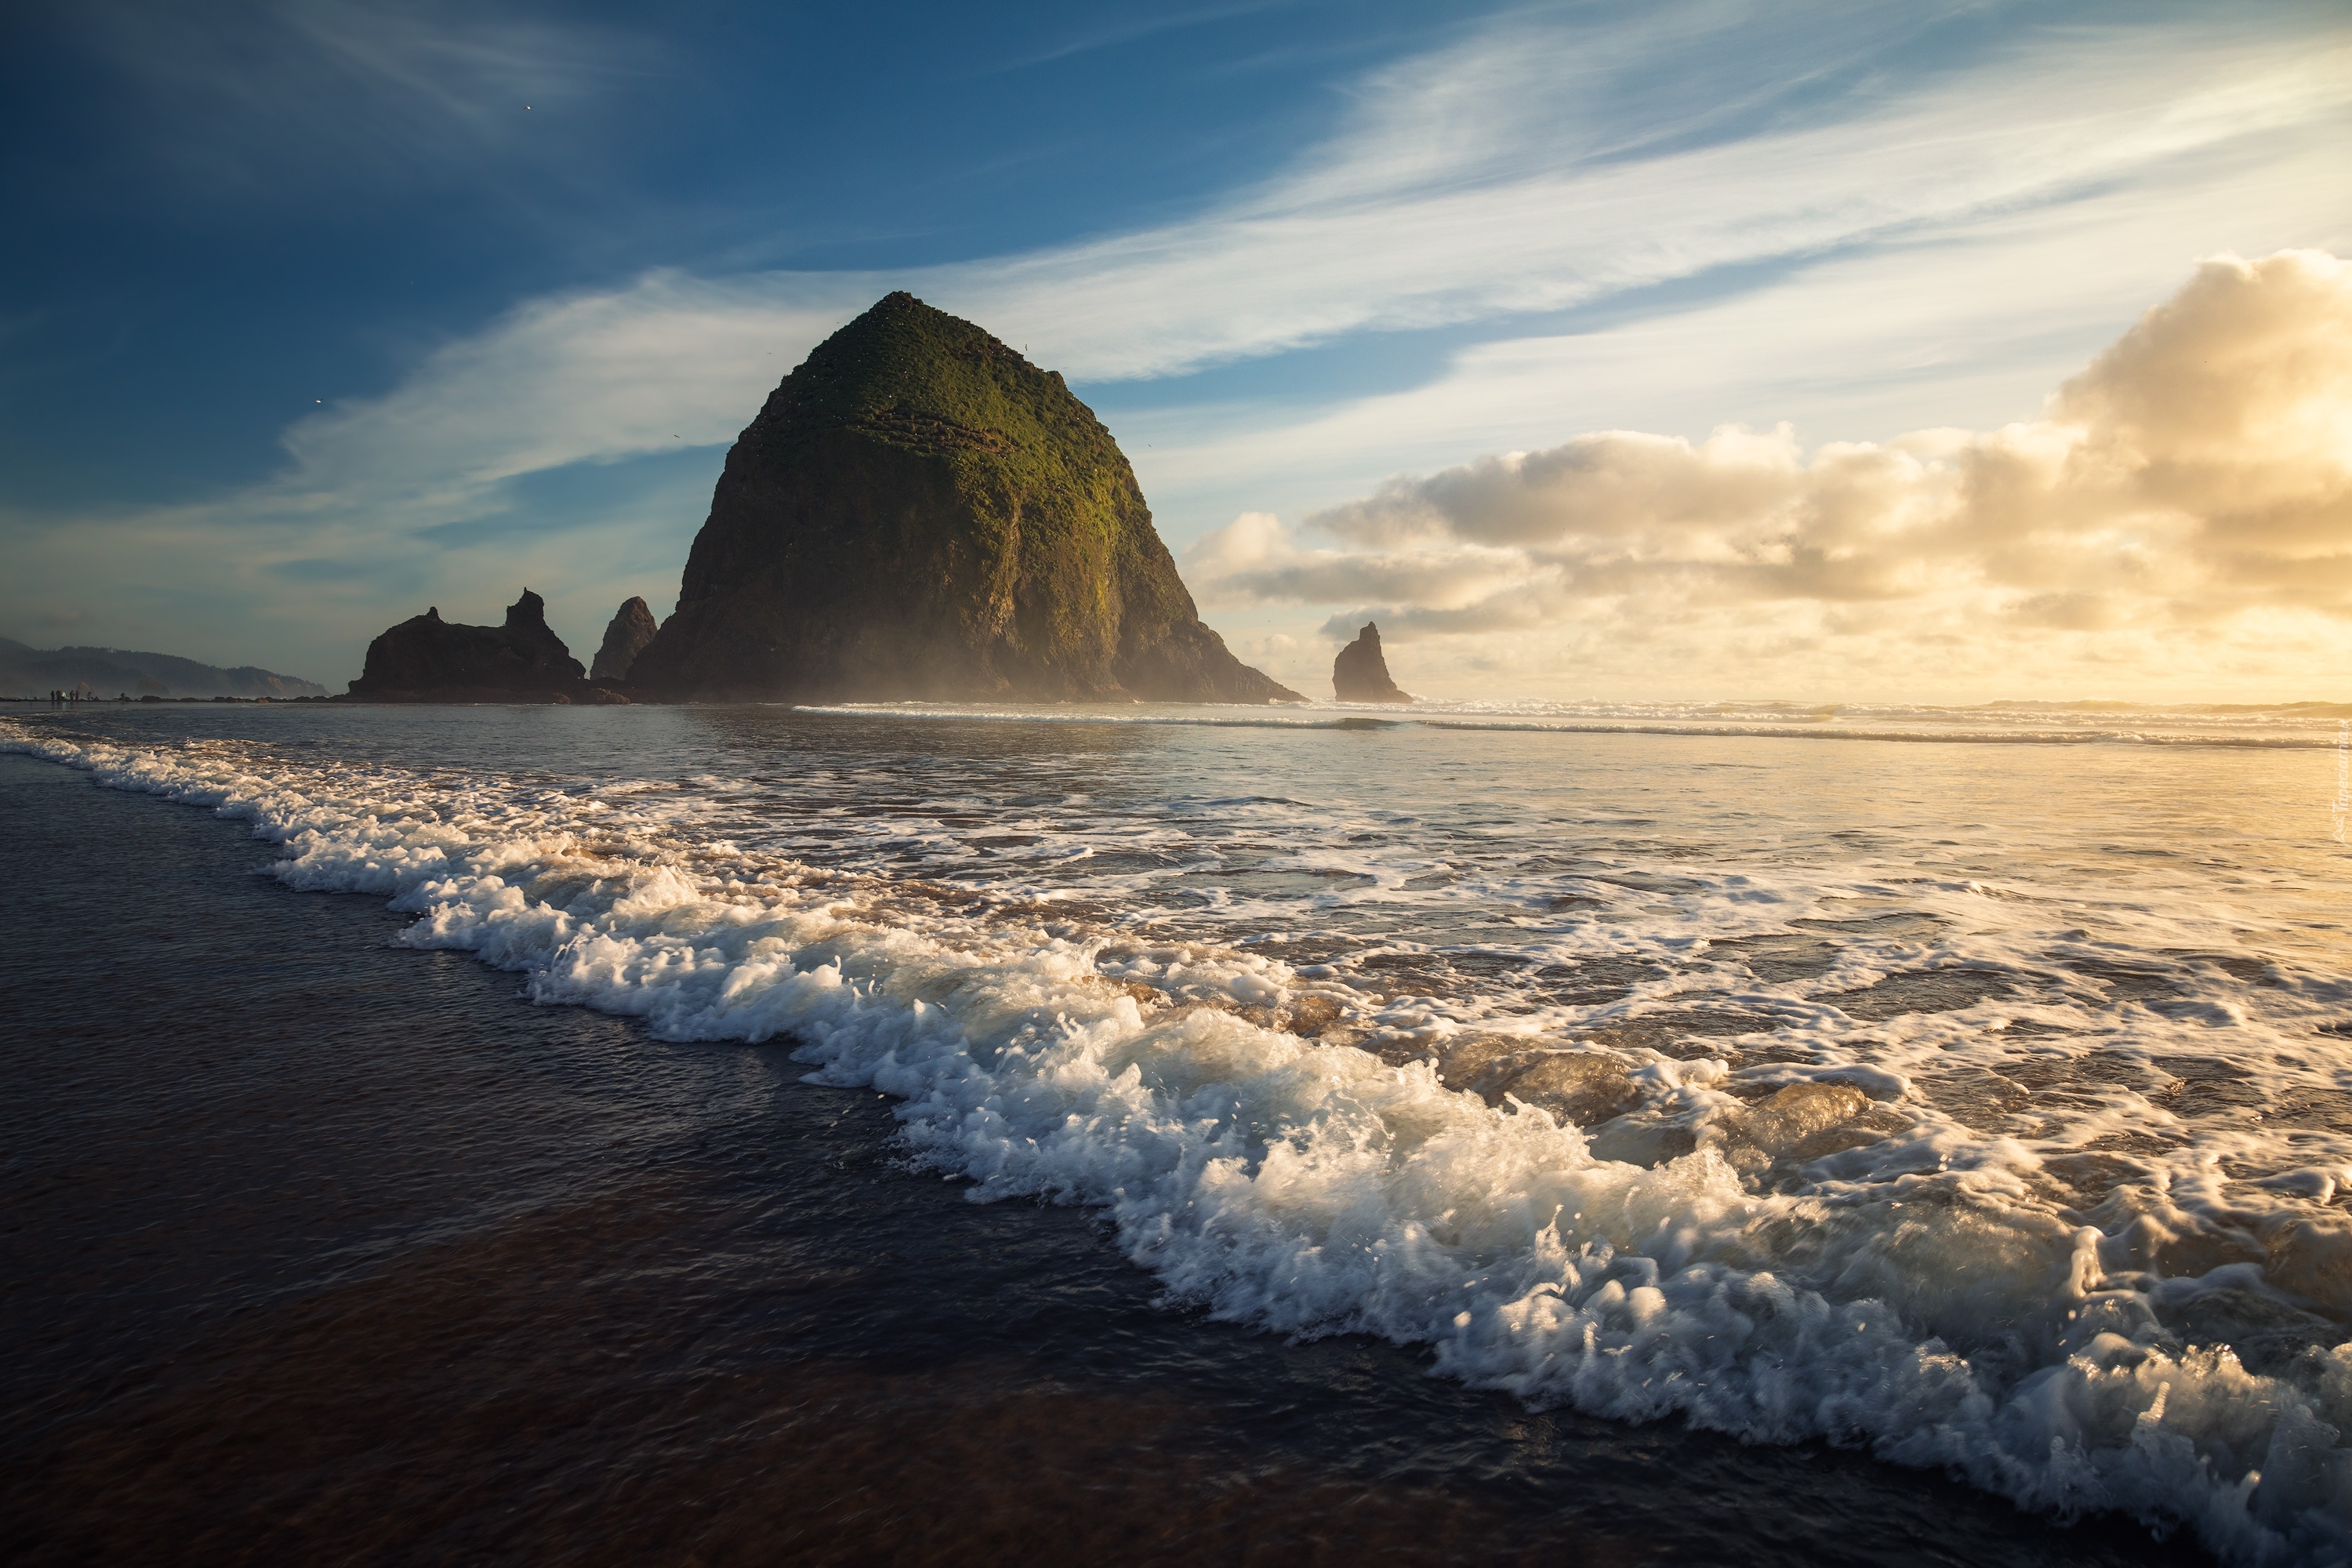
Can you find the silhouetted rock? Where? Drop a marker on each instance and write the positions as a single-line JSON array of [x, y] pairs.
[[427, 659], [631, 628], [1361, 675], [920, 513]]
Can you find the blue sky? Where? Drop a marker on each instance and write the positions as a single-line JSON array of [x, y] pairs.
[[321, 312]]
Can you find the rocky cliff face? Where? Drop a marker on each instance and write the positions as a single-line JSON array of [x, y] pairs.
[[631, 628], [1361, 675], [920, 513], [427, 659]]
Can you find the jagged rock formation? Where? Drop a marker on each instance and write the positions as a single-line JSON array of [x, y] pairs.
[[631, 628], [25, 672], [920, 513], [427, 659], [1361, 675]]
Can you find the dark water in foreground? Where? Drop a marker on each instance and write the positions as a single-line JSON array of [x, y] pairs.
[[321, 1250]]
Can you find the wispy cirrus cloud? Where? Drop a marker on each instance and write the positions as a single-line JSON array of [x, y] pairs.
[[1479, 184], [1115, 32], [294, 97]]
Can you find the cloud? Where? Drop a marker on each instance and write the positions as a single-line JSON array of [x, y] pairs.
[[1967, 324], [2196, 474], [1119, 33], [1547, 160], [595, 377], [1390, 224], [312, 94], [1254, 549], [1499, 177], [1538, 166]]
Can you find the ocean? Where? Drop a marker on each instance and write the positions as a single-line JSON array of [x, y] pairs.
[[1588, 1132]]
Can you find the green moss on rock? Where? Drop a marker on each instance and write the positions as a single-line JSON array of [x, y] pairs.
[[919, 512]]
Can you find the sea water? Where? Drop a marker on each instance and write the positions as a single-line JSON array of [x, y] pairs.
[[1967, 1085]]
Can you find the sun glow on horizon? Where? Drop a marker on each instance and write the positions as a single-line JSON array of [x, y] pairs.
[[2178, 519]]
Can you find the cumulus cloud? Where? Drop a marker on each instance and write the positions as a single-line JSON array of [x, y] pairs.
[[1256, 550], [2196, 473]]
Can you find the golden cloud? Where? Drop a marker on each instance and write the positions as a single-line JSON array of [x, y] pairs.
[[2199, 469]]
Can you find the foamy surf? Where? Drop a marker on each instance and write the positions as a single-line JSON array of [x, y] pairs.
[[1922, 1293]]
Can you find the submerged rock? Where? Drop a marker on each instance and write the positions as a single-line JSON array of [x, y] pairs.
[[631, 628], [1361, 675], [427, 659], [1796, 1114], [1800, 1123], [1483, 1063], [919, 512], [1585, 1088]]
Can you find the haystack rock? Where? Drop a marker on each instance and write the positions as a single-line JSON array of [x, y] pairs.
[[631, 628], [427, 659], [1361, 675], [919, 512]]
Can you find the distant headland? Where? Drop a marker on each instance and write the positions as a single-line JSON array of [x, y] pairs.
[[917, 513], [113, 672]]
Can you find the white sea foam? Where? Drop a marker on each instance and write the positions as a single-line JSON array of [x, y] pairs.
[[1924, 1287]]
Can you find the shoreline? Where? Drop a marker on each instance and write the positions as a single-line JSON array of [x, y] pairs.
[[512, 1281]]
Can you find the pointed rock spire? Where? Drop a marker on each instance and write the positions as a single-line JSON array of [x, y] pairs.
[[1361, 675], [631, 628]]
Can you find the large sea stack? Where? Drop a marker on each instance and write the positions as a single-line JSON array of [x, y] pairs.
[[1361, 675], [919, 512], [427, 659]]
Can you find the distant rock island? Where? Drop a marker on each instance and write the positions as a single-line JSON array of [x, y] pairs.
[[919, 512], [1361, 675], [427, 659], [631, 628], [27, 671]]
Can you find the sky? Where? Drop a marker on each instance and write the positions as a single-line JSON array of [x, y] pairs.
[[1681, 352]]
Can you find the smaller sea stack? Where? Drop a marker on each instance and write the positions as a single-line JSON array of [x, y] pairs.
[[1361, 675], [427, 659], [631, 628]]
